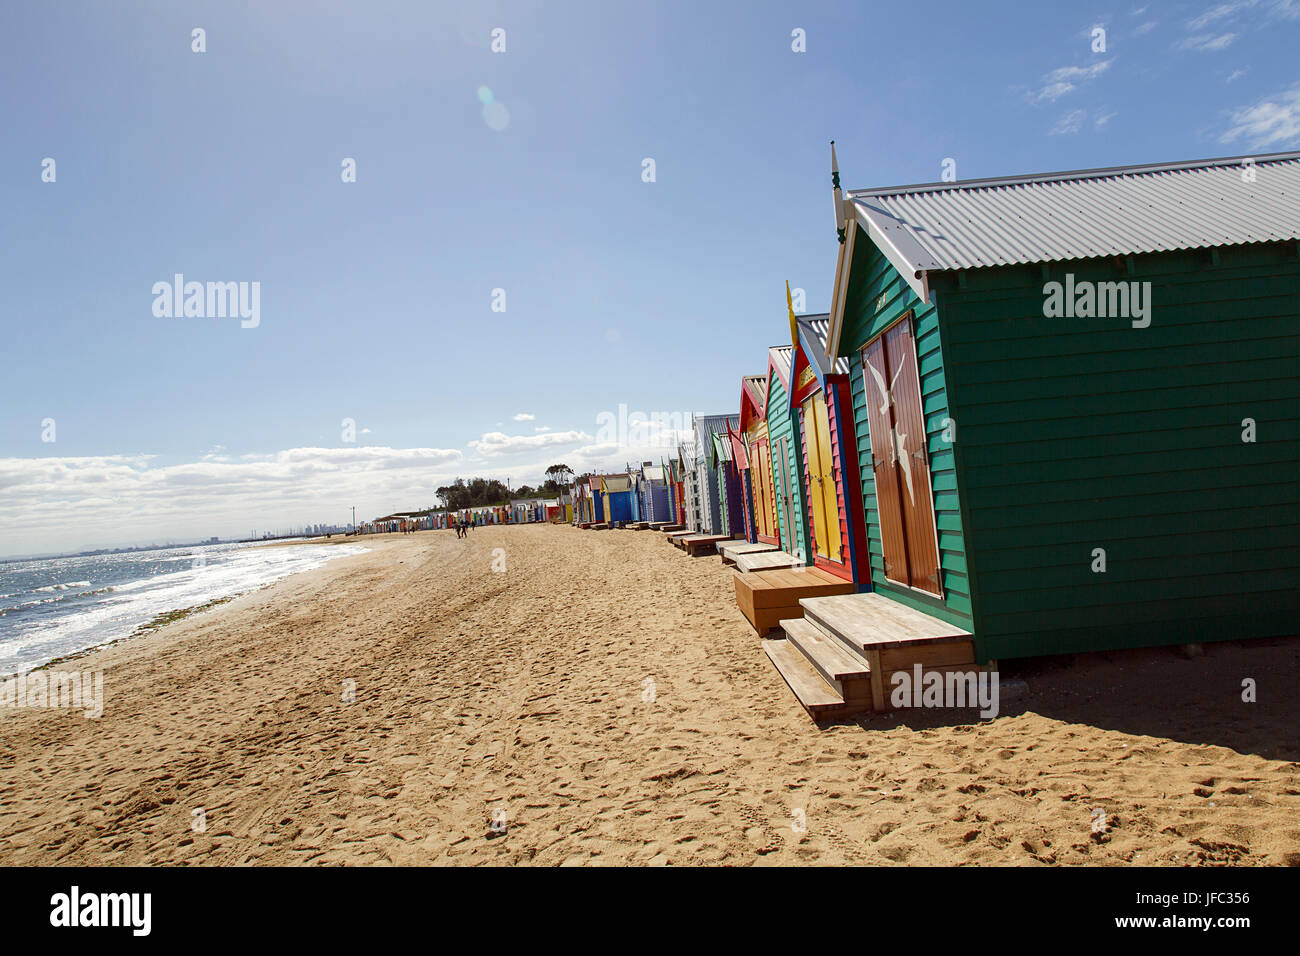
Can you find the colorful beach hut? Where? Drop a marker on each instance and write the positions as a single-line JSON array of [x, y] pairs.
[[786, 458], [761, 495], [690, 487], [589, 502], [727, 486], [1073, 397], [653, 489], [706, 427], [616, 490], [823, 403], [740, 461]]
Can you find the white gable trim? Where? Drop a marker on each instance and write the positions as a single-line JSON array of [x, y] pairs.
[[918, 279], [838, 292]]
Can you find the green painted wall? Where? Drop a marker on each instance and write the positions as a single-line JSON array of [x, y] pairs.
[[780, 424], [875, 299], [1075, 434]]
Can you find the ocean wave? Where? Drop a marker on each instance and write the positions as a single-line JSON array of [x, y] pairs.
[[66, 621], [61, 587]]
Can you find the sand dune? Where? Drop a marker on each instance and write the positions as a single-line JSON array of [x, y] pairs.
[[606, 698]]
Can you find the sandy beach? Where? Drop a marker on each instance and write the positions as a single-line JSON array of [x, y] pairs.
[[605, 699]]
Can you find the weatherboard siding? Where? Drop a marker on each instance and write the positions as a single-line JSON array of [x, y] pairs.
[[877, 297], [1076, 434], [787, 480]]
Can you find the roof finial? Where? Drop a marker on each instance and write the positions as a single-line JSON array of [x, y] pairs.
[[839, 196]]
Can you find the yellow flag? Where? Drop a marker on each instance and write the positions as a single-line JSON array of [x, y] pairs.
[[794, 326]]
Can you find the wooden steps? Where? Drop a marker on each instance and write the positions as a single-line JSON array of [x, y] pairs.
[[702, 543], [813, 693], [658, 525], [847, 673], [871, 621], [767, 597], [600, 526], [670, 528], [766, 561], [675, 537], [730, 550], [637, 525], [854, 643]]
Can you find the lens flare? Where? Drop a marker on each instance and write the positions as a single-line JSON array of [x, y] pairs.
[[496, 116]]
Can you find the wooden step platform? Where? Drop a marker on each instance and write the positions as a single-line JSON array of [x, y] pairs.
[[855, 643], [600, 526], [816, 696], [676, 536], [731, 549], [871, 621], [698, 544], [767, 597], [703, 544], [637, 525], [766, 561], [657, 525], [848, 674], [669, 528]]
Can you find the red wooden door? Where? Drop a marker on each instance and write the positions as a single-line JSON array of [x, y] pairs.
[[900, 459]]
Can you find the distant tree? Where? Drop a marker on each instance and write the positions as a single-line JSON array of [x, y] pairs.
[[475, 493], [560, 475]]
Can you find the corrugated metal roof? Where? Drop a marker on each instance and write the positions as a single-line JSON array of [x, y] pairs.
[[714, 424], [721, 446], [757, 385], [817, 327], [782, 356], [1122, 210]]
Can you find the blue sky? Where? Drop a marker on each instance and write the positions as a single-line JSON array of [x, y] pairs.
[[376, 296]]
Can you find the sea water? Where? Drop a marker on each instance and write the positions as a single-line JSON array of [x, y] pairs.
[[51, 607]]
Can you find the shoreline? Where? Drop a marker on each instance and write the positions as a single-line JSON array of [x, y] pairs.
[[169, 615], [606, 695]]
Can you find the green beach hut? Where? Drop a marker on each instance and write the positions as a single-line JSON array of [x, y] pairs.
[[786, 456], [1075, 399]]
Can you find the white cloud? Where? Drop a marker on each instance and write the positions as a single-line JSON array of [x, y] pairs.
[[1146, 27], [1273, 122], [1066, 79], [1221, 12], [60, 504], [1209, 43], [1102, 119], [1071, 122], [524, 417], [493, 444], [1235, 75], [541, 428]]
